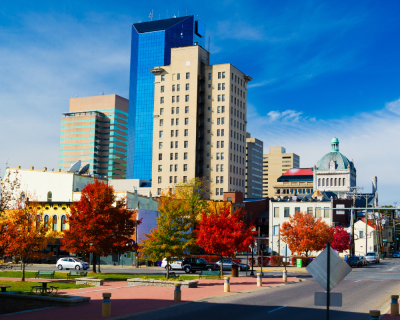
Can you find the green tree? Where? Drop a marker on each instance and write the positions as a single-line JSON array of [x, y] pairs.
[[179, 212]]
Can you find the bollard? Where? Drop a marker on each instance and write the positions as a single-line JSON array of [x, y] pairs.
[[284, 276], [177, 292], [227, 285], [394, 307], [259, 279], [106, 307], [375, 314]]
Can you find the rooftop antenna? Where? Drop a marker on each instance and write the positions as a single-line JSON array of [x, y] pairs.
[[151, 15]]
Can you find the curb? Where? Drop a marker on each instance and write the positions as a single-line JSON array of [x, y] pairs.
[[386, 307], [206, 299]]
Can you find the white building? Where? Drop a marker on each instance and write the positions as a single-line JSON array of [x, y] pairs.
[[334, 172], [360, 238]]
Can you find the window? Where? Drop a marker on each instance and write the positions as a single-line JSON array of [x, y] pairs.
[[171, 155], [46, 221], [186, 133], [218, 120], [218, 109], [187, 86], [178, 76], [160, 156], [186, 109], [223, 75], [177, 100], [218, 132], [217, 180], [361, 234], [217, 144], [185, 167], [170, 179], [161, 122], [172, 122], [296, 209], [185, 156], [222, 156], [309, 209], [222, 179], [217, 191], [219, 75], [187, 98], [176, 133], [186, 121], [217, 168], [173, 99], [175, 179], [286, 212], [162, 77], [217, 156], [209, 76], [54, 223], [172, 133], [160, 168], [276, 229], [221, 191], [187, 75], [222, 144], [209, 97], [223, 86], [49, 196], [208, 120], [159, 179], [177, 108], [219, 98], [173, 88], [159, 191], [276, 212], [222, 168], [160, 145], [184, 179], [326, 213], [185, 144], [178, 88], [161, 111], [223, 109], [176, 167], [161, 100], [162, 88], [223, 97], [318, 212], [177, 121], [171, 168], [222, 132], [219, 86]]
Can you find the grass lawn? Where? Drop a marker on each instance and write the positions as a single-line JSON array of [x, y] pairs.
[[105, 276], [26, 286]]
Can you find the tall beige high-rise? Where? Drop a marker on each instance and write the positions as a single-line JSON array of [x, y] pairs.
[[199, 123], [275, 163]]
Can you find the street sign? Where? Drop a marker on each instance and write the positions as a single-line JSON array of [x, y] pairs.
[[335, 299], [338, 269]]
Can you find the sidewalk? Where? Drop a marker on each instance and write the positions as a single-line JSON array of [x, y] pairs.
[[280, 269], [130, 300]]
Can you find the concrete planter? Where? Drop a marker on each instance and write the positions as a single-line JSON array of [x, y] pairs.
[[11, 302], [161, 283], [91, 281]]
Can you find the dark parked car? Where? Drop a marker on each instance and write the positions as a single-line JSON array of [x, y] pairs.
[[396, 254], [355, 261], [228, 265], [194, 264]]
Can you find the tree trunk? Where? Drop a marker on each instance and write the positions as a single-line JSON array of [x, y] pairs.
[[306, 253], [222, 265], [167, 269], [94, 263], [23, 269]]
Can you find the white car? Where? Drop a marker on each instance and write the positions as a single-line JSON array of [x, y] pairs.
[[71, 263], [174, 263]]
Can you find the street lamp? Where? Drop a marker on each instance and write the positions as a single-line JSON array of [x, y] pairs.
[[252, 260]]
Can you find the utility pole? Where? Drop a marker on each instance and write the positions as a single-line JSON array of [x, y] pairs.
[[366, 224], [279, 241], [394, 227], [354, 194]]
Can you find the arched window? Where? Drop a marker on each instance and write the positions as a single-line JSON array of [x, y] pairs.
[[344, 182], [49, 196], [62, 223], [335, 182], [323, 182], [331, 182], [319, 182], [54, 223], [46, 220]]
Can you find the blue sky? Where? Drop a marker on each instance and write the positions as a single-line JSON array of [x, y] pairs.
[[320, 69]]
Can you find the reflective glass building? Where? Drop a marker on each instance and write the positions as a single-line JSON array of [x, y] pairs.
[[151, 46]]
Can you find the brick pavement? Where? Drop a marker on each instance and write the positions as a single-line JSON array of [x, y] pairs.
[[129, 300]]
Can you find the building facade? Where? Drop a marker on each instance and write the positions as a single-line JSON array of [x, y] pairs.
[[295, 182], [95, 132], [254, 167], [199, 123], [334, 172], [150, 47], [275, 163]]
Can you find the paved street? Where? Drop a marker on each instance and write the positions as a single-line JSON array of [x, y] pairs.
[[364, 289]]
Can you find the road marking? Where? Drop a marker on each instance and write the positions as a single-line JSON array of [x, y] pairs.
[[357, 281], [276, 309]]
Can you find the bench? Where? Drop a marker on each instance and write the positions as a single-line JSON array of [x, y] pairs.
[[209, 273], [45, 273], [36, 288], [4, 288], [172, 275], [72, 274], [54, 288]]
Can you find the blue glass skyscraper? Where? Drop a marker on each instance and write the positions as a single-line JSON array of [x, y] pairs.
[[151, 46]]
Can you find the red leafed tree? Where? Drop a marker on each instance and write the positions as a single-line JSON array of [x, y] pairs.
[[304, 233], [222, 232], [341, 239], [99, 224]]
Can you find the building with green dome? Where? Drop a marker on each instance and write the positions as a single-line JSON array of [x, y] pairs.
[[334, 171]]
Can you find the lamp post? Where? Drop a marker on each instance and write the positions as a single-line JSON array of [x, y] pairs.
[[252, 259]]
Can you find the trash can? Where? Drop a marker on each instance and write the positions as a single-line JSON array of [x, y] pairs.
[[299, 263], [346, 257], [382, 256], [159, 263], [147, 263], [235, 270]]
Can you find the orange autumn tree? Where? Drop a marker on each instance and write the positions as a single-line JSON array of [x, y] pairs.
[[25, 234], [224, 232], [99, 224], [304, 233]]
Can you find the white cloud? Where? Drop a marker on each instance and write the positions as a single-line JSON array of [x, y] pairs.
[[370, 139]]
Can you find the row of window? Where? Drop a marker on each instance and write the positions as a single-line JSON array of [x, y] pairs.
[[178, 76], [219, 168], [219, 179], [174, 132], [238, 102], [173, 110], [236, 182], [236, 158], [237, 170], [178, 87], [294, 191], [331, 182], [238, 125], [319, 212], [239, 92], [174, 156], [176, 99]]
